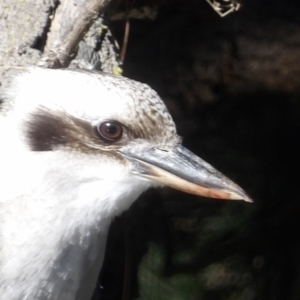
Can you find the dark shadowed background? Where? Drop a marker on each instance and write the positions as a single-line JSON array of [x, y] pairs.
[[232, 85]]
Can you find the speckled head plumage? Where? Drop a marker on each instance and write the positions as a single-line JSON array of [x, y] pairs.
[[75, 98]]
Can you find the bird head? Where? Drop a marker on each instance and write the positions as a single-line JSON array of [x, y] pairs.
[[108, 129]]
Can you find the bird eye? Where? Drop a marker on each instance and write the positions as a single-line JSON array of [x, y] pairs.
[[110, 130]]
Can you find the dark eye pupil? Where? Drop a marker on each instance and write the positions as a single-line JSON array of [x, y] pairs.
[[110, 131], [110, 128]]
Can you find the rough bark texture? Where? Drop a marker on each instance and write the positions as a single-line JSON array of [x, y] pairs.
[[72, 21], [23, 25], [52, 33]]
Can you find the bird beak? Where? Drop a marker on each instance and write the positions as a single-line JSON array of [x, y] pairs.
[[181, 169]]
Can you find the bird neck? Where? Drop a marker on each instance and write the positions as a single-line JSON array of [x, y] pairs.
[[51, 257], [54, 237]]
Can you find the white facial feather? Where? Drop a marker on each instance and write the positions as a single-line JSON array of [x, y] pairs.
[[56, 206]]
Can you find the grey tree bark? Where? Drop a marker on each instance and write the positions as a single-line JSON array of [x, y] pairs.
[[53, 33]]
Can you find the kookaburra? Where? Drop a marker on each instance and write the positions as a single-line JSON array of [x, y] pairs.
[[77, 148]]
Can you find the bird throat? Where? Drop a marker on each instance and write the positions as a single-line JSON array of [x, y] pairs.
[[60, 237]]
